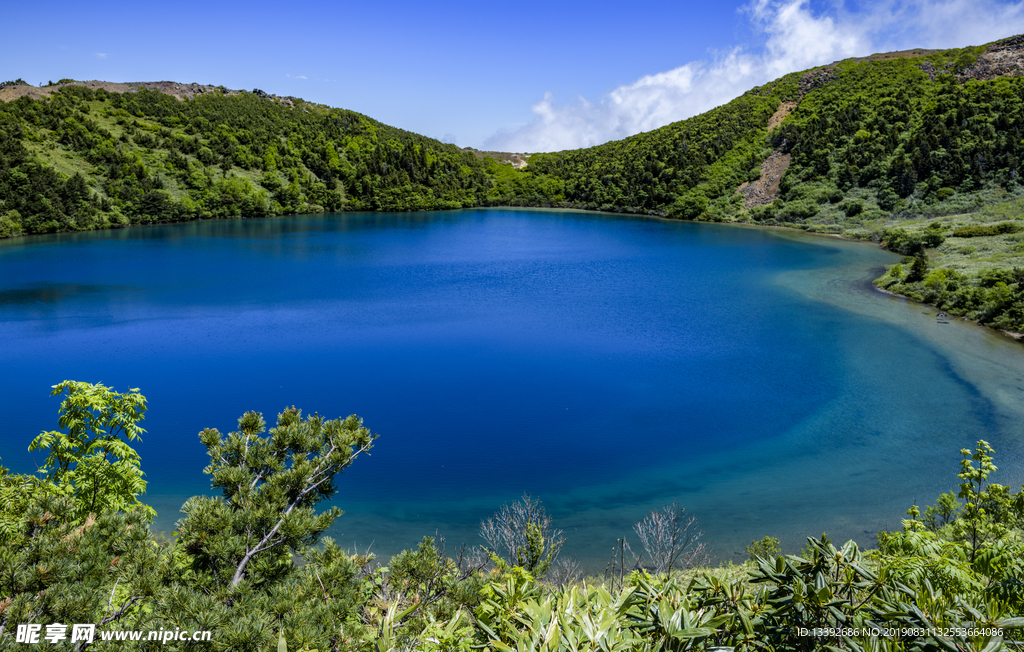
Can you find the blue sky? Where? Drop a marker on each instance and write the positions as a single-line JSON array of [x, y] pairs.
[[531, 75]]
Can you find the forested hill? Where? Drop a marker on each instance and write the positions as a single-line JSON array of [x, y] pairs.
[[918, 149], [84, 158]]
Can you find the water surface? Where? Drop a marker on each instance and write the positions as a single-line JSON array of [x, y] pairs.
[[606, 365]]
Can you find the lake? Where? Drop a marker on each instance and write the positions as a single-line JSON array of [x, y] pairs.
[[604, 364]]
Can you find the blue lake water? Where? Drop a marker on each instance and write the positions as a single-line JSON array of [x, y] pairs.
[[606, 365]]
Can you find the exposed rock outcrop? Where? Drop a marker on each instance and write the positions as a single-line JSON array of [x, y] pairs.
[[1002, 58], [815, 78], [515, 160], [766, 189]]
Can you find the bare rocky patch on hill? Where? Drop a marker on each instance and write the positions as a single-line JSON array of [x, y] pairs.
[[780, 114], [765, 189], [1002, 58], [515, 160]]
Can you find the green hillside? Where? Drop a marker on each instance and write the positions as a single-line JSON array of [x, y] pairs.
[[917, 150]]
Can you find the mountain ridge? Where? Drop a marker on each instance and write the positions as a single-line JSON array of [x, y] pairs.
[[10, 91]]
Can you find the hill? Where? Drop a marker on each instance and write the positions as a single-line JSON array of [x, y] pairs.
[[919, 150]]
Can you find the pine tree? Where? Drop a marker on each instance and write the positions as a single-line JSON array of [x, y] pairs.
[[270, 486]]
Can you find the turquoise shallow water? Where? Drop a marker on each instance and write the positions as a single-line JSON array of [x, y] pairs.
[[606, 365]]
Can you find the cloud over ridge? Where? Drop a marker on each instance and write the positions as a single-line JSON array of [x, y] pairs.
[[794, 38]]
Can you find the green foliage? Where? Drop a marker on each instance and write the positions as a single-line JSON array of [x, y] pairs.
[[887, 199], [990, 295], [17, 494], [56, 569], [962, 568], [811, 602], [917, 556], [234, 155], [918, 269], [980, 230], [945, 510], [522, 535], [270, 486], [425, 586], [901, 241], [976, 523], [800, 209], [852, 208], [89, 458], [691, 206], [963, 547], [764, 548]]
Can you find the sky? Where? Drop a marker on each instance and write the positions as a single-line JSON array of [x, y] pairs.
[[524, 76]]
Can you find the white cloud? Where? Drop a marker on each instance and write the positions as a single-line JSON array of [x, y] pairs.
[[101, 55], [795, 38], [946, 23]]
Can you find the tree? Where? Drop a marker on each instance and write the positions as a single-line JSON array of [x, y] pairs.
[[980, 497], [18, 492], [426, 584], [918, 270], [270, 486], [945, 510], [672, 539], [768, 547], [56, 569], [521, 534], [92, 462]]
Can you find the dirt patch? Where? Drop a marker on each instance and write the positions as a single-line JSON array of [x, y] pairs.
[[780, 114], [517, 161], [766, 189]]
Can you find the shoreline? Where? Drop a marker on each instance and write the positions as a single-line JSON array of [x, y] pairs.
[[1019, 337], [566, 209], [1011, 334]]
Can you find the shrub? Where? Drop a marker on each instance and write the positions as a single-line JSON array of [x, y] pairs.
[[765, 548], [799, 209], [988, 278], [689, 207], [852, 207], [521, 533], [980, 230], [887, 199], [671, 539], [932, 236], [900, 241]]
